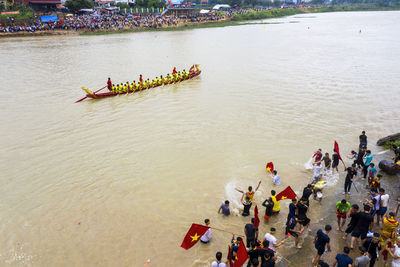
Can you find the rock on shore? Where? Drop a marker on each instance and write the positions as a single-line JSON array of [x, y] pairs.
[[393, 137], [389, 167]]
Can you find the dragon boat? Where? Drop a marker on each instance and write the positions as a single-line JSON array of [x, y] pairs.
[[95, 95]]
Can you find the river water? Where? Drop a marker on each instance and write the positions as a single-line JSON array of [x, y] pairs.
[[118, 181]]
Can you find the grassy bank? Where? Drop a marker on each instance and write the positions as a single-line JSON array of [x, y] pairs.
[[179, 28], [268, 14]]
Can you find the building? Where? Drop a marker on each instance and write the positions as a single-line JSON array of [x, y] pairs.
[[41, 5]]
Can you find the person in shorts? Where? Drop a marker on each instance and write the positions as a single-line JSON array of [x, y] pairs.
[[342, 207], [361, 229], [354, 216], [290, 230], [268, 204], [321, 240]]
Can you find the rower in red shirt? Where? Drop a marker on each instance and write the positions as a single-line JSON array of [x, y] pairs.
[[109, 84], [140, 78], [174, 71]]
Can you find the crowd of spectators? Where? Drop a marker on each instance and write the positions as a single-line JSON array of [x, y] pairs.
[[113, 21]]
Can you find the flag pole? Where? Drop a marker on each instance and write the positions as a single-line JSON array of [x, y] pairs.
[[222, 230]]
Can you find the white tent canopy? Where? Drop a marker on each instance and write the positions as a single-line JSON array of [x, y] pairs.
[[204, 11], [216, 7]]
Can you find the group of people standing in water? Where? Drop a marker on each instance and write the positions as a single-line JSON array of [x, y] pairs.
[[176, 76], [372, 227]]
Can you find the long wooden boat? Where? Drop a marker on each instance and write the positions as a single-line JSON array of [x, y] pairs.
[[91, 94]]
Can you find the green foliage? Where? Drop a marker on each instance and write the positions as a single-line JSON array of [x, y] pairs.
[[25, 15], [75, 5], [250, 2], [267, 14], [388, 145], [123, 5], [149, 3]]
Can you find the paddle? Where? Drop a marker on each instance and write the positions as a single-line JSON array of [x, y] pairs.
[[86, 96]]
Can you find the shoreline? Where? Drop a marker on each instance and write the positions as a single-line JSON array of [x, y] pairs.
[[236, 20]]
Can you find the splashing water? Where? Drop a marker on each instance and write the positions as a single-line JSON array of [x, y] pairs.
[[308, 165], [330, 178], [233, 196]]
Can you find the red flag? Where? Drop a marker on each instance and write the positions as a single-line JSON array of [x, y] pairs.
[[336, 147], [270, 167], [256, 219], [193, 235], [287, 193], [241, 255]]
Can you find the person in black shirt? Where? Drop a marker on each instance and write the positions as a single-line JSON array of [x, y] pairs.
[[307, 192], [253, 254], [267, 255], [360, 156], [303, 220], [251, 233], [268, 204], [354, 215], [351, 175], [363, 139], [372, 245], [246, 206], [327, 161], [290, 230], [361, 229], [335, 161]]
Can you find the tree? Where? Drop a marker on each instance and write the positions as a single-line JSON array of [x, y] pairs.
[[75, 5], [149, 3], [277, 3]]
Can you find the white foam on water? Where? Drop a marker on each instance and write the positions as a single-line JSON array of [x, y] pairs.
[[308, 165], [233, 196], [331, 179]]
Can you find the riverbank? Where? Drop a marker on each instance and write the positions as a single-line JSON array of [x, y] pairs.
[[235, 20]]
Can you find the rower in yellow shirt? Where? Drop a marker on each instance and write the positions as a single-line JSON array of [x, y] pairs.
[[113, 88], [133, 86], [128, 87]]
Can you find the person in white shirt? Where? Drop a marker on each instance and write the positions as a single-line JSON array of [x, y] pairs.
[[207, 235], [395, 253], [384, 203], [271, 238], [218, 262], [276, 179], [317, 171]]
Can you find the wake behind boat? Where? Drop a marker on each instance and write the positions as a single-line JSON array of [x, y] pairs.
[[126, 88]]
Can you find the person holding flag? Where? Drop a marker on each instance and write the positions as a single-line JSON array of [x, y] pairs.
[[251, 233], [337, 157], [277, 206], [205, 238], [276, 180], [193, 235], [318, 156]]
